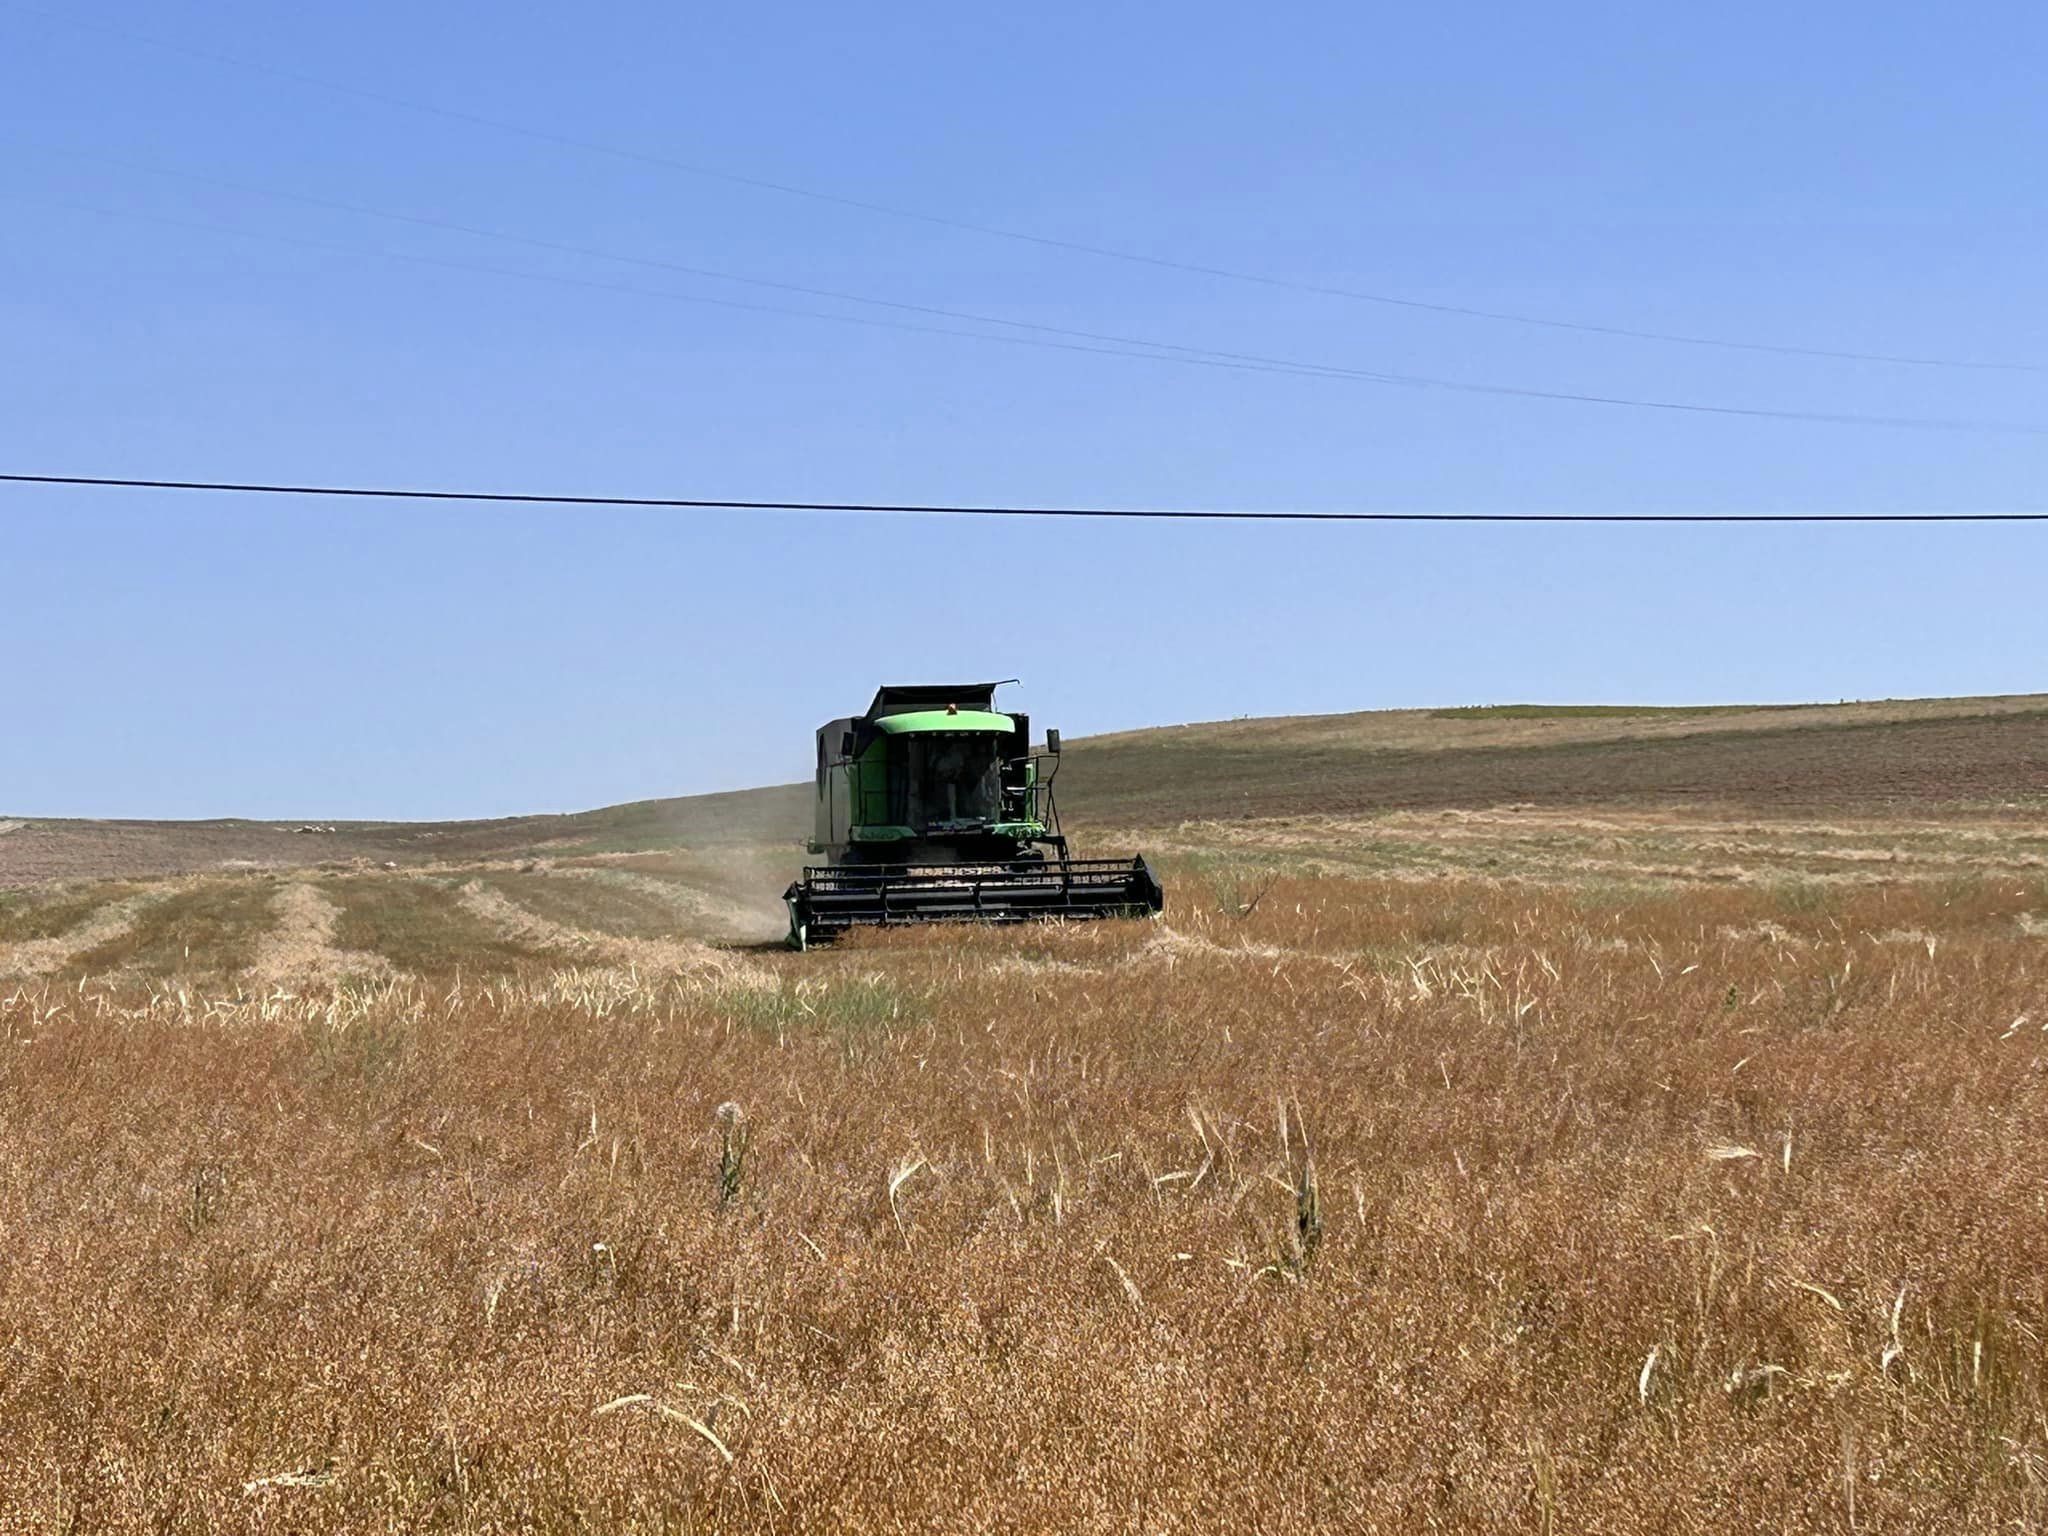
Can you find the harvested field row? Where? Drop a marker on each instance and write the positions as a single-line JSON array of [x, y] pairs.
[[272, 931], [542, 935], [68, 932], [659, 910], [52, 911], [186, 928], [301, 949]]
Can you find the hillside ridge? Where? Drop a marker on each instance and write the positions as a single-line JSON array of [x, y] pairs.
[[1981, 754]]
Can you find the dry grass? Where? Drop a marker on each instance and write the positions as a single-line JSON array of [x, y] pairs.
[[1390, 1205]]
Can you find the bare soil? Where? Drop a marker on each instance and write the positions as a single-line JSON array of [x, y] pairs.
[[1996, 762]]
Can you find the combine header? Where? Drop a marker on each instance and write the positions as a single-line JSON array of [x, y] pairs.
[[932, 807]]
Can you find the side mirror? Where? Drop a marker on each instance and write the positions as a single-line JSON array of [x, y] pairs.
[[1052, 742], [846, 743]]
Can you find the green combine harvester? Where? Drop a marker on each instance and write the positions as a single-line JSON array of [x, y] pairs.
[[932, 807]]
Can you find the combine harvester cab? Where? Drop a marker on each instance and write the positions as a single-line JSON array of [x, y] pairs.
[[932, 807]]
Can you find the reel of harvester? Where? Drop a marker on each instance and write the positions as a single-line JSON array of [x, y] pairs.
[[931, 807]]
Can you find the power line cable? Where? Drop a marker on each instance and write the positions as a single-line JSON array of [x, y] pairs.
[[947, 509], [663, 265], [601, 286], [1000, 232], [1165, 352]]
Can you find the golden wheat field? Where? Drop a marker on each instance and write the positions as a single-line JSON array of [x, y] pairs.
[[1343, 1202]]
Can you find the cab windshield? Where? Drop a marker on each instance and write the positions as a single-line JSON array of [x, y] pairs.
[[949, 780]]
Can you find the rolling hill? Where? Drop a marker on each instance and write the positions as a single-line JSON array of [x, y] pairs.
[[1923, 757]]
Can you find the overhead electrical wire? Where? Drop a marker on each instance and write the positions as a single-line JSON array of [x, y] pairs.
[[601, 286], [661, 264], [1113, 346], [947, 509], [1000, 232]]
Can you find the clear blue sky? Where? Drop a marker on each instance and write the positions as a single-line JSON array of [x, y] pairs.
[[1841, 176]]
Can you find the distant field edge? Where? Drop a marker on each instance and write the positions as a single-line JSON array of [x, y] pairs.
[[1530, 711]]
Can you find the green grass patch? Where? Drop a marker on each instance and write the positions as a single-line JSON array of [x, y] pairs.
[[592, 904], [1235, 863], [419, 925], [353, 1054], [1605, 897], [30, 915], [1801, 898], [863, 1003], [855, 1015], [209, 929]]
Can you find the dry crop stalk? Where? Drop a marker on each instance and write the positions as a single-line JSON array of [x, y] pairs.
[[734, 1138]]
